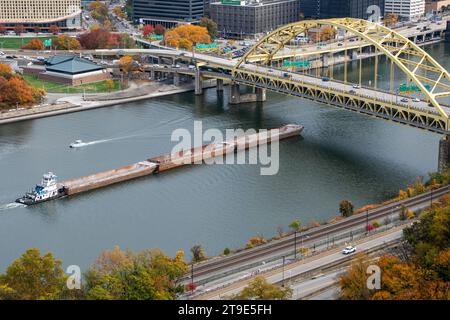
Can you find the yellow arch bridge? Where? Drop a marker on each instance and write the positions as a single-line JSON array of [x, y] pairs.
[[264, 67]]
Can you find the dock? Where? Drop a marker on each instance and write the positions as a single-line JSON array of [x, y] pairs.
[[178, 159]]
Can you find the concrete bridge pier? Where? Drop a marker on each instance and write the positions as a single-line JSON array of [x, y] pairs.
[[236, 97], [198, 83], [219, 85], [176, 79], [235, 94], [444, 154], [152, 75]]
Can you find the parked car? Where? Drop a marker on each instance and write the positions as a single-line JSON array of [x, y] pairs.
[[348, 250]]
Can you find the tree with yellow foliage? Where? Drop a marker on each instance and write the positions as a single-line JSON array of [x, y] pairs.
[[187, 36]]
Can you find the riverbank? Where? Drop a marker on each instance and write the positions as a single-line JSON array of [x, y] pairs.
[[77, 103]]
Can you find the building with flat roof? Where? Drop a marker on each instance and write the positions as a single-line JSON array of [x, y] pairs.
[[324, 9], [245, 18], [168, 13], [68, 70], [41, 13], [433, 6], [406, 9]]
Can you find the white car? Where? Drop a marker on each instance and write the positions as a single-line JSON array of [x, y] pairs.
[[356, 86], [416, 100], [348, 250]]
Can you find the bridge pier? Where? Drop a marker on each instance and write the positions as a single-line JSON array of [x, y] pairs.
[[444, 154], [237, 97], [198, 83], [219, 85], [152, 74], [176, 79]]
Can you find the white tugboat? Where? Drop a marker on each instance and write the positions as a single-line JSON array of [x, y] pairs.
[[46, 190]]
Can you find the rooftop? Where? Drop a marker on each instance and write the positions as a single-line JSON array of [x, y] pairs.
[[71, 65]]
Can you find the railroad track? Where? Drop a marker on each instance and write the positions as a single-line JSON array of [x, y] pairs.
[[252, 255]]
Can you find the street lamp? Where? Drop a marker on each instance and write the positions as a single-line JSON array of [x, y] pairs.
[[282, 281]]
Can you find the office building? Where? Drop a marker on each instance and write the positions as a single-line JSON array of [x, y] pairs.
[[324, 9], [406, 9], [248, 18], [168, 13], [41, 13]]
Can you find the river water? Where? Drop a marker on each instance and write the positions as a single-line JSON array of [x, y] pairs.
[[341, 155]]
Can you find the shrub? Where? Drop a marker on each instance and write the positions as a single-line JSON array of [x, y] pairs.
[[226, 251], [346, 208]]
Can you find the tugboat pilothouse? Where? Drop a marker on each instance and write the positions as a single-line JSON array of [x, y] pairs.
[[46, 190]]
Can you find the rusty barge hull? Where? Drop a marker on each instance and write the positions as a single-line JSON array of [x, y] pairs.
[[205, 152], [182, 158], [107, 178]]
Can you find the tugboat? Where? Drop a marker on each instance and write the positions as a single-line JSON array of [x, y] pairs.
[[46, 190]]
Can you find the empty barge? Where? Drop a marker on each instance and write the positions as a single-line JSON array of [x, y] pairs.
[[156, 164]]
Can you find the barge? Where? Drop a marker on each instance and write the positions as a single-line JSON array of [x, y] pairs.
[[50, 189]]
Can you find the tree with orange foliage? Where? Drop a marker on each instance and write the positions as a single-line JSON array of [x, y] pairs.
[[187, 35], [65, 42], [15, 91], [54, 29], [126, 64], [34, 44]]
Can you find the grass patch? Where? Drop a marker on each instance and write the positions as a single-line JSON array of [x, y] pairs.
[[18, 42], [51, 87]]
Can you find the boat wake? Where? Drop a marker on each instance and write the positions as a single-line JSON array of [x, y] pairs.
[[11, 205]]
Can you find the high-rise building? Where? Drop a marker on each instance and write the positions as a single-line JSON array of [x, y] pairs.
[[168, 12], [406, 9], [324, 9], [41, 13], [250, 17]]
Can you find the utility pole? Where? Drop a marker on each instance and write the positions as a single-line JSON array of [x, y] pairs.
[[367, 221], [282, 281], [295, 245], [192, 276]]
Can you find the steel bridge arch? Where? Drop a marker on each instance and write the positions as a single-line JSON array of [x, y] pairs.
[[382, 38]]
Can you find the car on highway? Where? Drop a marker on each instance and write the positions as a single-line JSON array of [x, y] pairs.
[[325, 79], [404, 100], [416, 100], [356, 86], [348, 250], [352, 92]]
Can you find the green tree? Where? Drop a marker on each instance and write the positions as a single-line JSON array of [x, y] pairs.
[[198, 253], [148, 275], [211, 26], [260, 289], [346, 208], [295, 225], [33, 277]]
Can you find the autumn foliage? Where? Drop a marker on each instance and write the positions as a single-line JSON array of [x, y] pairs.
[[15, 91], [186, 36], [419, 269], [65, 42], [34, 44], [100, 38]]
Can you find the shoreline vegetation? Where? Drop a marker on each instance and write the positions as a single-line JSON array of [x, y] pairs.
[[150, 274]]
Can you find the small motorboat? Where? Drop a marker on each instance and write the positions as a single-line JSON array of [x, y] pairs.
[[77, 144]]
